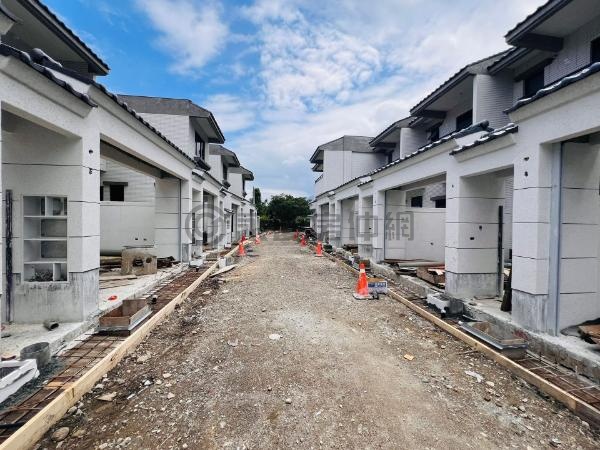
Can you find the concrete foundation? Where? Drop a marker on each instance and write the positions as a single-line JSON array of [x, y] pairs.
[[63, 302], [470, 284]]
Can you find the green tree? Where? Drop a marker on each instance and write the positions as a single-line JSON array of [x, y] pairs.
[[260, 206], [287, 211]]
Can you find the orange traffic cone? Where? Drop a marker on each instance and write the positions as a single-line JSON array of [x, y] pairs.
[[319, 249], [303, 241], [241, 249], [362, 287], [257, 239]]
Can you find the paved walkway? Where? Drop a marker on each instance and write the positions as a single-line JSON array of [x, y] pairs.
[[282, 356]]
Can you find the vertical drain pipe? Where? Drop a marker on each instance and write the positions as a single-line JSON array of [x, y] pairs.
[[9, 254], [180, 224], [555, 234]]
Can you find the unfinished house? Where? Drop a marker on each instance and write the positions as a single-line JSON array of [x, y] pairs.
[[496, 173], [84, 172], [340, 162]]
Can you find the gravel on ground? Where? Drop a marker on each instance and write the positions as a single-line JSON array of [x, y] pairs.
[[279, 355]]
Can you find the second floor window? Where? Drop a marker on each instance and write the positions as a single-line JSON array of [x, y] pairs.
[[200, 148], [224, 171], [595, 50], [433, 134], [533, 83], [464, 120]]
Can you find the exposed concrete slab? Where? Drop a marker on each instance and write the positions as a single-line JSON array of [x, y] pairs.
[[22, 335]]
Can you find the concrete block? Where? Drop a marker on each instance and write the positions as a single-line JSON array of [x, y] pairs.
[[578, 240], [530, 275], [471, 235], [531, 239], [83, 219], [74, 301], [580, 206], [474, 210], [531, 205], [578, 308], [468, 260], [529, 310], [83, 253], [581, 166], [578, 275], [467, 285]]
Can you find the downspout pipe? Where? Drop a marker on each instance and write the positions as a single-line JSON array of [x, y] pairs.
[[180, 224], [553, 319]]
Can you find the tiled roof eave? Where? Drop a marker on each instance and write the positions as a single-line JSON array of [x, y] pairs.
[[556, 86], [24, 57], [71, 33], [492, 136]]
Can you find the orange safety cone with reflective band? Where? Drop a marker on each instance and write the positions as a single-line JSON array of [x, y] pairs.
[[303, 241], [241, 249], [362, 287], [257, 239], [319, 249]]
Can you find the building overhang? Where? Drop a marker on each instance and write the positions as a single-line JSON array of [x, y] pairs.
[[547, 26], [228, 157], [388, 136], [445, 97], [53, 33]]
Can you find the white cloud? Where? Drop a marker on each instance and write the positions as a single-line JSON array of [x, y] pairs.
[[354, 67], [232, 113], [192, 31]]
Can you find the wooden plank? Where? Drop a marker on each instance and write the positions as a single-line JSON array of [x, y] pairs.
[[573, 403], [30, 433], [577, 406]]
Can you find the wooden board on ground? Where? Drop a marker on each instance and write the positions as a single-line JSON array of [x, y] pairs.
[[116, 283], [590, 333], [116, 277], [30, 433], [223, 270], [577, 406]]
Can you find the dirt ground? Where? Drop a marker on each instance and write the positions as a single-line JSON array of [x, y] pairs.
[[281, 356]]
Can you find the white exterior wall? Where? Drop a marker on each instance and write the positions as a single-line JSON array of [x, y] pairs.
[[235, 179], [363, 163], [492, 95], [140, 187], [411, 140], [176, 128], [131, 222]]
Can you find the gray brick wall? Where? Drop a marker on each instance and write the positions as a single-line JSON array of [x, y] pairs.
[[140, 187]]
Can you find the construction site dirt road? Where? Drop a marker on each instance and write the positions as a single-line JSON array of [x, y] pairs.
[[281, 355]]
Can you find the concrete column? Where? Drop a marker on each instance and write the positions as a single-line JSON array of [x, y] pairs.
[[335, 228], [221, 222], [535, 185], [48, 166], [398, 226], [379, 225], [472, 235], [167, 233], [365, 226], [198, 229]]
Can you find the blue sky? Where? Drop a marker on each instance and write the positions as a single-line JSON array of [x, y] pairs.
[[283, 76]]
